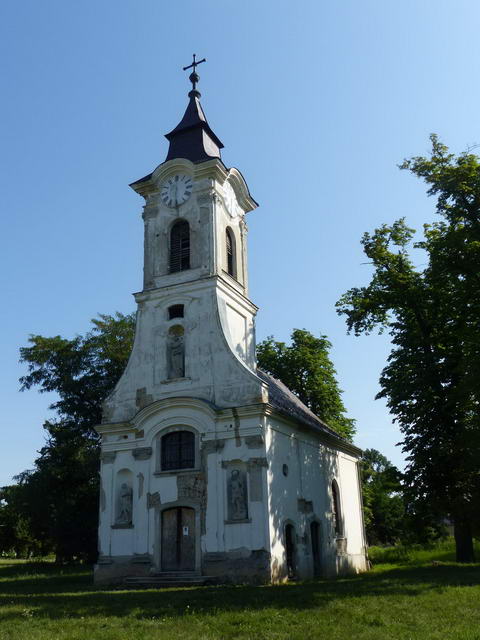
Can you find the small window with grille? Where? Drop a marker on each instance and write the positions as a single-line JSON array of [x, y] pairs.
[[175, 311], [180, 246], [178, 451]]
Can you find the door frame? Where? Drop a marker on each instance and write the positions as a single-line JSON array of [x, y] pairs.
[[157, 551]]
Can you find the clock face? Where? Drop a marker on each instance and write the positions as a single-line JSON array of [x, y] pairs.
[[176, 190]]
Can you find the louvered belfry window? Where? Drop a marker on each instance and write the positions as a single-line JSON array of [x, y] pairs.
[[178, 450], [180, 246], [230, 253]]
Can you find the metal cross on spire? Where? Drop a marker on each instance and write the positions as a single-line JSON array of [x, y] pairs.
[[194, 77]]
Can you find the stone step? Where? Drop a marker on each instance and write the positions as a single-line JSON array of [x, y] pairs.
[[169, 580], [162, 574]]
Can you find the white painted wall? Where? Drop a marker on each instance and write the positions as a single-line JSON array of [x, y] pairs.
[[311, 468]]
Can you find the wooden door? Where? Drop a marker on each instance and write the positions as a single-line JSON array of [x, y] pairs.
[[178, 539]]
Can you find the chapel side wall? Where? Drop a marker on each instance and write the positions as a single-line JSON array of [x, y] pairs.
[[304, 496], [298, 498], [355, 557]]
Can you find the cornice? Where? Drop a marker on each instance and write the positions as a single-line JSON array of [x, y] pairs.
[[194, 286], [114, 427], [176, 402], [245, 200], [214, 169]]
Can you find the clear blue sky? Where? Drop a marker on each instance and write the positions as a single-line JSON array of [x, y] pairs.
[[316, 103]]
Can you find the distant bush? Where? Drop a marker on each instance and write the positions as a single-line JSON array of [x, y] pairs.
[[440, 551]]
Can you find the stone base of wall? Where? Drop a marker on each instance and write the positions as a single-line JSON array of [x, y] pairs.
[[114, 569], [238, 566], [351, 563]]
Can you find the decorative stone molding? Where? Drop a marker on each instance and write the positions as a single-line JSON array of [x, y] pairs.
[[192, 486], [139, 434], [341, 546], [213, 446], [153, 500], [257, 462], [142, 453], [254, 442], [108, 457]]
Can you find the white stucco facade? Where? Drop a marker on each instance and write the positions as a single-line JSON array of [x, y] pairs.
[[254, 472]]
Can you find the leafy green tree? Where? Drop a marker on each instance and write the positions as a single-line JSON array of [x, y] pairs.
[[431, 381], [60, 495], [306, 369], [384, 508], [82, 371], [16, 532]]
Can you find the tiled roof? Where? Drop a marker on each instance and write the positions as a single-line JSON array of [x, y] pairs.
[[282, 399]]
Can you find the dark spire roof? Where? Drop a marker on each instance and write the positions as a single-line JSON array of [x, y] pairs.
[[192, 138]]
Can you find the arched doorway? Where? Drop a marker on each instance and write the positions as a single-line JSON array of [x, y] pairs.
[[316, 549], [178, 539], [290, 549]]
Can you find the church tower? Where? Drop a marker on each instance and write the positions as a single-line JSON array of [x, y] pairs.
[[195, 322], [197, 444]]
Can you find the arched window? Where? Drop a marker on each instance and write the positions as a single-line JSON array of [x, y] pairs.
[[175, 311], [337, 512], [178, 450], [231, 253], [176, 352], [180, 246]]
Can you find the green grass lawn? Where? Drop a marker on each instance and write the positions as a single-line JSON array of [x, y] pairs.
[[427, 596]]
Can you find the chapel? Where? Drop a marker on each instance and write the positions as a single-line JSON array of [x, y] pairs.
[[212, 470]]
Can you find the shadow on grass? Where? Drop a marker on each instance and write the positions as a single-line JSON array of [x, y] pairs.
[[72, 594]]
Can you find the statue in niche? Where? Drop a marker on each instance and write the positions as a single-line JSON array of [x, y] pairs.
[[176, 352], [237, 493], [125, 511]]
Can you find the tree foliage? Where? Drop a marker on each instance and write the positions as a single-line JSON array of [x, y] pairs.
[[383, 503], [57, 502], [82, 371], [305, 368], [431, 381]]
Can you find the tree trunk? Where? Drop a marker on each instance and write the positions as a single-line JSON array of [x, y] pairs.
[[463, 541]]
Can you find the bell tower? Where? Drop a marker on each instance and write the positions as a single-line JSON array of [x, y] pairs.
[[195, 333]]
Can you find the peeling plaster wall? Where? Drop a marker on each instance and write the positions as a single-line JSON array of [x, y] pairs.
[[304, 495], [222, 439]]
